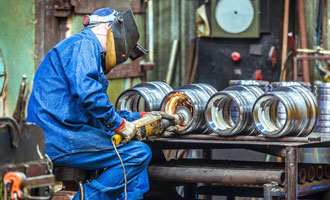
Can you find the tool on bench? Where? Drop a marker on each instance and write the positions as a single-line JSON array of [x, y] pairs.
[[152, 124], [18, 185]]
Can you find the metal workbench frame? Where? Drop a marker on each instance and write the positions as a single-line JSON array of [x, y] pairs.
[[286, 147]]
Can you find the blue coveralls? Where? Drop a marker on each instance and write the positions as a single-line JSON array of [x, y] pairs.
[[70, 103]]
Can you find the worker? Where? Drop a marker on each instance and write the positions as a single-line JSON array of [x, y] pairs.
[[69, 102]]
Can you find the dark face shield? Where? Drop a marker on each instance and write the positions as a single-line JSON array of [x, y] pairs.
[[122, 40], [137, 52]]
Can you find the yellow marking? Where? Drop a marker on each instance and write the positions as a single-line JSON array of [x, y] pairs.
[[110, 57]]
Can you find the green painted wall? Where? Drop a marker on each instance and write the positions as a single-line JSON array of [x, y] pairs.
[[17, 42], [173, 19]]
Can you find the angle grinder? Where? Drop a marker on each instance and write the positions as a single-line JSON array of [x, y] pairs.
[[152, 124]]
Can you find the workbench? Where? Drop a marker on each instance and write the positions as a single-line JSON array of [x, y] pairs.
[[286, 147]]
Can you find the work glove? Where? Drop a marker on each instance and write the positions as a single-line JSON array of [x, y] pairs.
[[128, 132], [171, 129]]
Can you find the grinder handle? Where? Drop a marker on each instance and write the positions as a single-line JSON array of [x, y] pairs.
[[117, 139]]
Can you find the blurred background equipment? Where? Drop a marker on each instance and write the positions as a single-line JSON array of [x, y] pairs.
[[264, 85], [25, 169], [323, 98], [203, 41], [245, 37]]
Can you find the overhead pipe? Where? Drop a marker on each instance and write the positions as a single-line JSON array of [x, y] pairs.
[[303, 38]]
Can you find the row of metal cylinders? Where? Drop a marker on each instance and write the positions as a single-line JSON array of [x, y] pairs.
[[244, 108]]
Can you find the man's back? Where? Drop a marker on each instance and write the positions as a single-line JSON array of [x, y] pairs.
[[61, 99]]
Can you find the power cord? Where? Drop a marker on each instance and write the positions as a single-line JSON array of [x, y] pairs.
[[113, 141]]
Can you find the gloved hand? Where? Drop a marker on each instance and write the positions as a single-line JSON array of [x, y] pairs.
[[169, 130], [128, 132]]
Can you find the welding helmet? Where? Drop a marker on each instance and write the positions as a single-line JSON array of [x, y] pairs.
[[122, 39]]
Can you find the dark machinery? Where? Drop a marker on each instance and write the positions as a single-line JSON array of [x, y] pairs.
[[25, 169], [245, 39]]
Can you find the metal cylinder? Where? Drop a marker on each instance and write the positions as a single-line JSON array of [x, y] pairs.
[[264, 85], [300, 107], [323, 99], [229, 112], [143, 97], [189, 101], [281, 110]]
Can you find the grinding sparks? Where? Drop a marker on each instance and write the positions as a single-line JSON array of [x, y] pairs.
[[178, 103]]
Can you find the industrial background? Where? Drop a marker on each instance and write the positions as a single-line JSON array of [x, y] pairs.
[[186, 45], [36, 26]]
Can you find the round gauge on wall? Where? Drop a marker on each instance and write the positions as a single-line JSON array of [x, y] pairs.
[[234, 16]]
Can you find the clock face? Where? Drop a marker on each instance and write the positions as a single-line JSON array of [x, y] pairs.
[[234, 16]]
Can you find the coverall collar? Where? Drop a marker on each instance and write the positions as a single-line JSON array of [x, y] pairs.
[[90, 33]]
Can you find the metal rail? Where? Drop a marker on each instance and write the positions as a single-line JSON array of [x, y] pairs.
[[193, 174], [286, 147]]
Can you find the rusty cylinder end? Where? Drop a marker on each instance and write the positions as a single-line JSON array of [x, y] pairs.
[[319, 173], [310, 174], [326, 172], [302, 175]]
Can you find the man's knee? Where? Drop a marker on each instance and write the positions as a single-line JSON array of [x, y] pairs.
[[144, 153]]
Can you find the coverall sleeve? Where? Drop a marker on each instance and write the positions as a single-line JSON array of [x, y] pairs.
[[129, 116], [84, 73]]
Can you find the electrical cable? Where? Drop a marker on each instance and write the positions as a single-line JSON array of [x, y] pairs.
[[113, 141], [284, 64]]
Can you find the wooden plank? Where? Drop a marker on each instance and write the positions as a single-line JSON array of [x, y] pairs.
[[89, 6], [126, 70]]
